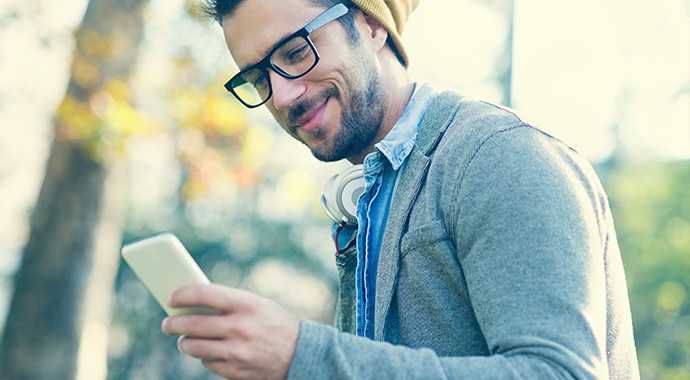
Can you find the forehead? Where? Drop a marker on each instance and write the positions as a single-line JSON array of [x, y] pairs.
[[257, 25]]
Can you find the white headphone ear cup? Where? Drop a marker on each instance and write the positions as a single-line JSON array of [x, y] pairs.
[[341, 193], [350, 185], [328, 200]]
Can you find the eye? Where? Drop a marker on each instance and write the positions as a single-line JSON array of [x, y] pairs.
[[260, 82], [292, 53], [254, 77], [298, 54]]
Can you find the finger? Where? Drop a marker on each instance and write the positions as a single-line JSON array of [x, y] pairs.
[[204, 348], [197, 325], [221, 298], [219, 357]]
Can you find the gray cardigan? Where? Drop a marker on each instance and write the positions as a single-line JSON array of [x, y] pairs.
[[499, 260]]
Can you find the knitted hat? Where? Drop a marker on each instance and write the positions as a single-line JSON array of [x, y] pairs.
[[393, 15]]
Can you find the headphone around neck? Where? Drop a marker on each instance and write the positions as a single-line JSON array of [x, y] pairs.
[[340, 195]]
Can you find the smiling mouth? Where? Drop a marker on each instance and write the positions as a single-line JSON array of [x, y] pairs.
[[309, 117]]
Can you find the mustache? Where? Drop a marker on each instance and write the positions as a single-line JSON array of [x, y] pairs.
[[299, 110]]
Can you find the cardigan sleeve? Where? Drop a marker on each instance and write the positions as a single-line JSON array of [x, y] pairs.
[[532, 239]]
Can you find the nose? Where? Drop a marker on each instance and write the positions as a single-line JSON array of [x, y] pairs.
[[285, 91]]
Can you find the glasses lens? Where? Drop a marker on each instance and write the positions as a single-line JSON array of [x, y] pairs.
[[295, 57], [251, 86]]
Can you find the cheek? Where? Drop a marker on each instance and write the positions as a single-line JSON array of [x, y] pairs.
[[338, 66]]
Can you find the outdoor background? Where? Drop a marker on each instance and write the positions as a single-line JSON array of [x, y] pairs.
[[114, 125]]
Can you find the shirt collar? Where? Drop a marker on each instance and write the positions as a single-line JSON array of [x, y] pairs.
[[398, 143]]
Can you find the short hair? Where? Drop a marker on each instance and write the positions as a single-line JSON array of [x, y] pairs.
[[217, 10]]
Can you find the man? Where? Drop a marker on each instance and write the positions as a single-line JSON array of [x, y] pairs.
[[484, 247]]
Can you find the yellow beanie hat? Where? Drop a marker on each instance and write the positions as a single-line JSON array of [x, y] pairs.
[[393, 15]]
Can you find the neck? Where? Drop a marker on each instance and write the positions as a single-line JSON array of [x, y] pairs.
[[398, 88]]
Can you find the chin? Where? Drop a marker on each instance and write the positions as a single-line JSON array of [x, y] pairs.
[[331, 155], [325, 155]]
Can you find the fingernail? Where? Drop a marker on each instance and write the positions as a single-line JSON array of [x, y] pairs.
[[164, 324], [179, 344]]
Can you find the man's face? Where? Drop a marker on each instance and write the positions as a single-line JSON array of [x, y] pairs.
[[337, 108]]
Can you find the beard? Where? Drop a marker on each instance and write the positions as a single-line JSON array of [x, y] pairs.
[[361, 117], [360, 124]]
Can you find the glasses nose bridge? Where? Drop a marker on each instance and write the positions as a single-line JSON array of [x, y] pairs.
[[276, 69], [284, 89], [282, 76]]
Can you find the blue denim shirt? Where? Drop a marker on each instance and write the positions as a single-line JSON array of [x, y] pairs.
[[381, 170]]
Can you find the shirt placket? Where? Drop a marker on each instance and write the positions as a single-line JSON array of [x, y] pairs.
[[368, 255]]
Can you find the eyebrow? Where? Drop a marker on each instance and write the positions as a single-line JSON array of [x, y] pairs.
[[271, 48], [320, 20]]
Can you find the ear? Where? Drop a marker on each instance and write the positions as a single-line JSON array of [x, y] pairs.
[[375, 32]]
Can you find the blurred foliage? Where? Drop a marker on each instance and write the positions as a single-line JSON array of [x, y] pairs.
[[104, 122], [651, 206]]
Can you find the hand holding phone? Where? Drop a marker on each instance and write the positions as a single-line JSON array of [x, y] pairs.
[[163, 264]]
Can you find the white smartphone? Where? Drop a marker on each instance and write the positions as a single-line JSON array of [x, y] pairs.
[[163, 264]]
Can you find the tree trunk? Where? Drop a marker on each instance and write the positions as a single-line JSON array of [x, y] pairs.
[[71, 254]]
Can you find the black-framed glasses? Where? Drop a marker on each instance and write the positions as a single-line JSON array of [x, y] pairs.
[[291, 58]]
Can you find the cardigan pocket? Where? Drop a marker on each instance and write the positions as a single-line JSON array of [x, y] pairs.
[[428, 234], [432, 307]]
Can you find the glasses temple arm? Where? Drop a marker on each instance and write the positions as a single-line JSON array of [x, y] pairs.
[[326, 17]]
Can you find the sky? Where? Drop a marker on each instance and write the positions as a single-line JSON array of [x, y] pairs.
[[580, 68], [581, 71]]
